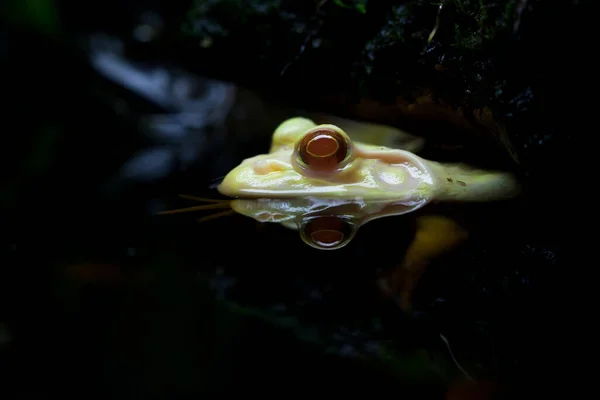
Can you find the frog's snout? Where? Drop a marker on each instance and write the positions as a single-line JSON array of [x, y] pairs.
[[228, 187], [264, 167]]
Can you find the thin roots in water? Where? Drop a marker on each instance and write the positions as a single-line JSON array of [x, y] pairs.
[[203, 199], [214, 205], [225, 213]]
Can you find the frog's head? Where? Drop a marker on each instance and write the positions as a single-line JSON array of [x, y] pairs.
[[316, 179], [321, 161]]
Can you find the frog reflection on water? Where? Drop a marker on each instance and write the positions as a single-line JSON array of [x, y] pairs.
[[320, 181]]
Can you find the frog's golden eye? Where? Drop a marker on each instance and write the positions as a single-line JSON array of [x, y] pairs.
[[323, 149], [327, 232]]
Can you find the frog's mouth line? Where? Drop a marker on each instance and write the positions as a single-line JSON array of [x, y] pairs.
[[251, 195]]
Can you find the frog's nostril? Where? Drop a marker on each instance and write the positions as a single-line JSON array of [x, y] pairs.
[[264, 167]]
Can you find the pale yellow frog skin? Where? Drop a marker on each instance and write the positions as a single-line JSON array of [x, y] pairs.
[[370, 172], [317, 179]]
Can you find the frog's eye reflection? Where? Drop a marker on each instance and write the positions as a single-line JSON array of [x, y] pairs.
[[322, 149], [327, 232]]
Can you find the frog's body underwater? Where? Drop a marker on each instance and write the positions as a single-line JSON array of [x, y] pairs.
[[327, 182]]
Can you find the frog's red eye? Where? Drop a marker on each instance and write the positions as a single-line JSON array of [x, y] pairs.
[[322, 149], [327, 232]]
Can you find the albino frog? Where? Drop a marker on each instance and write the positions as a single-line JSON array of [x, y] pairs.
[[316, 171], [320, 181]]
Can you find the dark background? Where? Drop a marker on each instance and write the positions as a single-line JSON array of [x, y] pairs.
[[113, 108]]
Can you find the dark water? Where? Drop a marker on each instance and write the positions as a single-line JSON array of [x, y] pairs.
[[102, 298]]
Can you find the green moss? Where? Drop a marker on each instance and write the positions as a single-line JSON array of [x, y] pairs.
[[477, 22]]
